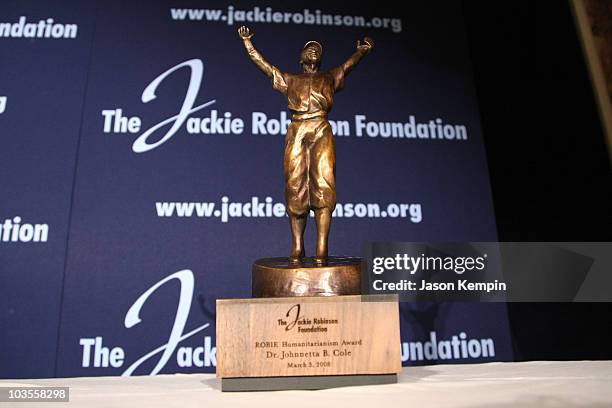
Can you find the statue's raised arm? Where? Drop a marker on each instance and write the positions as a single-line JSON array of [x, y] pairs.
[[362, 49], [245, 33], [278, 78]]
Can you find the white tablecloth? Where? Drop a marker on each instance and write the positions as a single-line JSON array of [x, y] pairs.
[[540, 384]]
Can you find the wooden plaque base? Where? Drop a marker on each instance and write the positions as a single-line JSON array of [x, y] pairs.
[[307, 336]]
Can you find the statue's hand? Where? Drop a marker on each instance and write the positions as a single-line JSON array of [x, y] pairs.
[[245, 33], [366, 46]]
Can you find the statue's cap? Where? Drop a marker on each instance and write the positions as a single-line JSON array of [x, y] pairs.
[[315, 43]]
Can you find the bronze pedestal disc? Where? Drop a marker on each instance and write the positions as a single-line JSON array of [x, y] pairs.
[[280, 277]]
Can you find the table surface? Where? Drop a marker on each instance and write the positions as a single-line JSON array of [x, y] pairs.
[[541, 384]]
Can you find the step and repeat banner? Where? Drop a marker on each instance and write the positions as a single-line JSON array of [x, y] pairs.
[[141, 172]]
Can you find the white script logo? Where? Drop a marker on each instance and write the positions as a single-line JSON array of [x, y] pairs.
[[116, 121], [113, 119], [102, 356]]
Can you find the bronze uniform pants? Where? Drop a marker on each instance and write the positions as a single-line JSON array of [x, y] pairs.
[[310, 166]]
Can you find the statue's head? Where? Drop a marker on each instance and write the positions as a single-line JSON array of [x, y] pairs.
[[311, 54]]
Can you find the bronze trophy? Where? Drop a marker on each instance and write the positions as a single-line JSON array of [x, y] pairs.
[[310, 180], [307, 327]]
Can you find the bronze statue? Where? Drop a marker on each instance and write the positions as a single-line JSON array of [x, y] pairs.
[[309, 146]]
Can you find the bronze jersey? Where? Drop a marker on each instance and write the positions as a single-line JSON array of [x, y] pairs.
[[308, 93]]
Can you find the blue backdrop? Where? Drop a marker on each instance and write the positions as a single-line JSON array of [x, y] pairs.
[[141, 172]]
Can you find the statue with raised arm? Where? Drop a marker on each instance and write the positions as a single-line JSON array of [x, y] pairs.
[[310, 156]]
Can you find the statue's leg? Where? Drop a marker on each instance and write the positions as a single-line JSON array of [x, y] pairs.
[[296, 181], [298, 225], [322, 183], [323, 218]]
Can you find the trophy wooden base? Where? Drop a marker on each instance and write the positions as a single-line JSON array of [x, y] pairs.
[[320, 337]]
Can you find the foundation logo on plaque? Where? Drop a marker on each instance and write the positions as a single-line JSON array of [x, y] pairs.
[[307, 325]]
